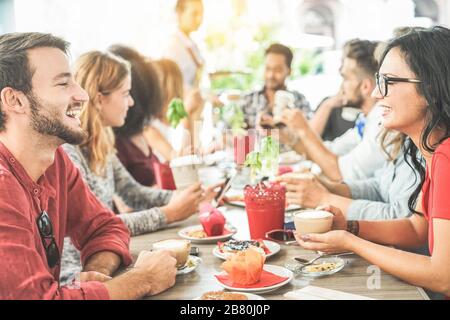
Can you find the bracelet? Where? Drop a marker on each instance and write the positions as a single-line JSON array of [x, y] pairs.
[[353, 227]]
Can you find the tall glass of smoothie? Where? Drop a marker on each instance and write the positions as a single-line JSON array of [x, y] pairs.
[[242, 146], [265, 206]]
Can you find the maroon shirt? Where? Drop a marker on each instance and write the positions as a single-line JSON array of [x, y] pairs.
[[73, 210], [136, 162]]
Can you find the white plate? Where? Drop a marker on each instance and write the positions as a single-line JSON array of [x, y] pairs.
[[183, 233], [250, 296], [238, 203], [277, 270], [273, 247], [194, 261]]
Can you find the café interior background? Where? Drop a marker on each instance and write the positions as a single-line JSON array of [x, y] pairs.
[[234, 32]]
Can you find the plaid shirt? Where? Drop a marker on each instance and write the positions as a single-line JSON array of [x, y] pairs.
[[256, 102]]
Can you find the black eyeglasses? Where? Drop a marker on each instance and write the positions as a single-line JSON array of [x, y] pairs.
[[46, 231], [383, 82]]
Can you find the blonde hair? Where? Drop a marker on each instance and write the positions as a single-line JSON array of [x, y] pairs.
[[171, 80], [392, 143], [98, 72]]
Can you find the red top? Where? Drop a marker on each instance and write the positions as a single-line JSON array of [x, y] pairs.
[[136, 162], [435, 191], [73, 210]]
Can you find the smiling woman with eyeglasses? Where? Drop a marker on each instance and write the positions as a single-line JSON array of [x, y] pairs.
[[383, 82], [413, 88]]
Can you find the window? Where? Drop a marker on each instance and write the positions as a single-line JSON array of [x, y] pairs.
[[6, 16], [427, 9]]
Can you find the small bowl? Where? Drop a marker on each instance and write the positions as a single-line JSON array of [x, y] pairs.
[[298, 268]]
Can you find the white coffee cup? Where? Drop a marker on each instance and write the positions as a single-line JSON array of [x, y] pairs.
[[312, 221], [283, 99], [179, 247]]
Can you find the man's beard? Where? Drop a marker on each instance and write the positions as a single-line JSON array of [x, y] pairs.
[[51, 124], [275, 86], [357, 101]]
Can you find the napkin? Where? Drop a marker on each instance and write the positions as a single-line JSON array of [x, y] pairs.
[[317, 293], [268, 279]]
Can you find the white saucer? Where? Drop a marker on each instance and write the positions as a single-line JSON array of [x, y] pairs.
[[194, 262]]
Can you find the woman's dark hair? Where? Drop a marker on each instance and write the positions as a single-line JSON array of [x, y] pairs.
[[427, 53], [145, 90]]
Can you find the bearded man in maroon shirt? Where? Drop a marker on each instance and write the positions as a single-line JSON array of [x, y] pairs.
[[42, 195]]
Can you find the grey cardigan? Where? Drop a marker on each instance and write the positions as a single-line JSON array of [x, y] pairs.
[[117, 180]]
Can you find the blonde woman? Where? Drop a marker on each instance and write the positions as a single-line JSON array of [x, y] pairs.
[[107, 80], [170, 142]]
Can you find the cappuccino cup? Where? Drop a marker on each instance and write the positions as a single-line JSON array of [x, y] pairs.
[[312, 221], [179, 247]]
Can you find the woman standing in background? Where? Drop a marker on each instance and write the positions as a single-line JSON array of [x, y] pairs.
[[181, 48]]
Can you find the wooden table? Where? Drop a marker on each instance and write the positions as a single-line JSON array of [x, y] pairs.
[[352, 279]]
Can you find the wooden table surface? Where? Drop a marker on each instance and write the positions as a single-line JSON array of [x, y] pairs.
[[352, 279]]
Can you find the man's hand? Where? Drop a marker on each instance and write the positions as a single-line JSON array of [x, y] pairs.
[[294, 119], [153, 273], [333, 102], [159, 269], [265, 120], [304, 189]]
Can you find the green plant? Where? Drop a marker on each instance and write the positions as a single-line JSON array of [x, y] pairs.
[[264, 163], [241, 82], [223, 47], [270, 152], [176, 112], [310, 62], [234, 117]]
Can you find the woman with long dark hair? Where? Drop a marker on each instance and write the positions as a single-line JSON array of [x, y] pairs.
[[413, 87]]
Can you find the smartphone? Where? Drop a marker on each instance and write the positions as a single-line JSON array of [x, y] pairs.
[[226, 185], [283, 236], [195, 251]]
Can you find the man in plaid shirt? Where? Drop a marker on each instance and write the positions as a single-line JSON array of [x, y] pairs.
[[277, 70]]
